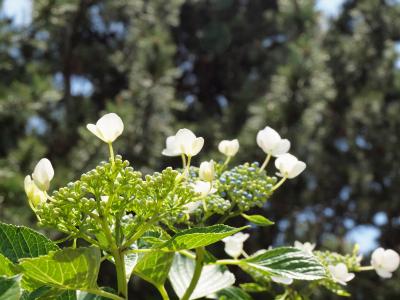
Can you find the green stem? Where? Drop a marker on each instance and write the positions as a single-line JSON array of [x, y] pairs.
[[365, 268], [197, 273], [183, 161], [226, 162], [227, 262], [110, 148], [265, 163], [105, 294], [279, 183], [119, 261], [163, 292], [140, 232]]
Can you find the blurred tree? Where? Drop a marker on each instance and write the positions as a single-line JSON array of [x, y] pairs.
[[224, 68]]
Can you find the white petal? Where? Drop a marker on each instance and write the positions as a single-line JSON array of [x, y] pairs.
[[377, 257], [383, 273], [43, 174], [391, 260], [110, 126], [93, 129], [281, 148], [185, 136], [268, 139], [196, 146], [172, 148], [297, 169]]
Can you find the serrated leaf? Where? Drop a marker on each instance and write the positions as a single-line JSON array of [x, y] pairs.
[[154, 267], [6, 266], [212, 279], [285, 262], [233, 293], [75, 269], [10, 288], [258, 220], [19, 242], [199, 237]]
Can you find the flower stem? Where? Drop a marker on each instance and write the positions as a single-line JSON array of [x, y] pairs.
[[279, 183], [111, 150], [265, 163], [121, 273], [365, 268], [196, 274], [163, 292], [228, 159], [183, 160]]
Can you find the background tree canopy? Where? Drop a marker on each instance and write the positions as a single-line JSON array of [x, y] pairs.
[[225, 69]]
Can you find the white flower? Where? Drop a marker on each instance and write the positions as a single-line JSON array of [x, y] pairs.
[[203, 188], [340, 274], [282, 280], [107, 128], [234, 244], [305, 247], [43, 174], [229, 148], [289, 166], [385, 262], [34, 194], [104, 199], [192, 206], [183, 142], [206, 171], [271, 142]]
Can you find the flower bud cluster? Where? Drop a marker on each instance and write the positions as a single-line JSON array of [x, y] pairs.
[[246, 186], [163, 194], [108, 187]]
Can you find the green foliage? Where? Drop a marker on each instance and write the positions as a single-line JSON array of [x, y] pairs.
[[75, 269], [10, 287], [18, 242], [199, 237], [331, 89], [258, 220], [154, 267], [284, 262], [233, 293]]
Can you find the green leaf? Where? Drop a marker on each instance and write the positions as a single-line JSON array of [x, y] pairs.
[[154, 267], [258, 220], [87, 296], [212, 279], [253, 287], [46, 292], [75, 269], [285, 262], [233, 293], [10, 288], [6, 266], [19, 242], [199, 237], [335, 288]]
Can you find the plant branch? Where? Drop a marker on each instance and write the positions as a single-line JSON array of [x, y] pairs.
[[196, 274]]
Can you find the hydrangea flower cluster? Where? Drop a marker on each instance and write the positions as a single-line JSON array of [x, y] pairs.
[[122, 212]]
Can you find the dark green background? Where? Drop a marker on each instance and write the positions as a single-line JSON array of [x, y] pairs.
[[225, 69]]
